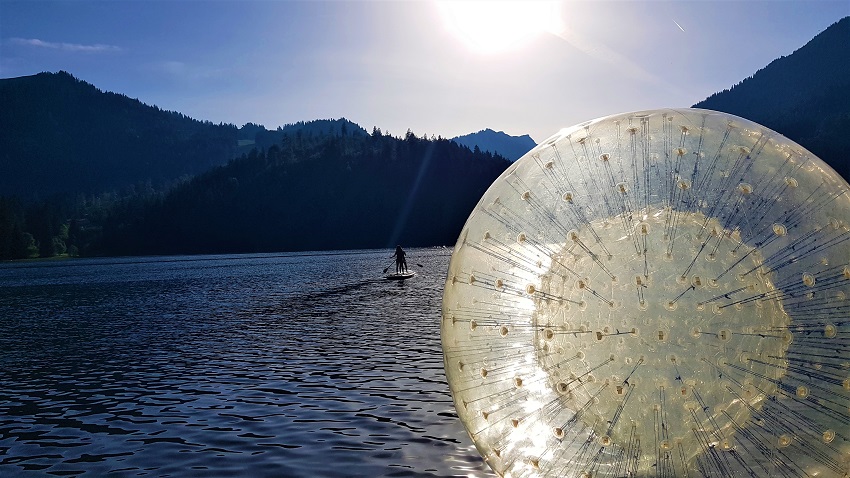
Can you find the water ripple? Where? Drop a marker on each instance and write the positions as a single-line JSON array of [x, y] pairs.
[[226, 366]]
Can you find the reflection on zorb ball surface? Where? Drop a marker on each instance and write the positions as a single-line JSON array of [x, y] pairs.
[[661, 293]]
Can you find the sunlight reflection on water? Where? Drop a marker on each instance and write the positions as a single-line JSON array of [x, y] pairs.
[[247, 365]]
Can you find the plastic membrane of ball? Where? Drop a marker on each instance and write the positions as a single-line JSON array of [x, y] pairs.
[[658, 293]]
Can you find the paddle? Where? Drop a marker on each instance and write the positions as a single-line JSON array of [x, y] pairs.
[[388, 267]]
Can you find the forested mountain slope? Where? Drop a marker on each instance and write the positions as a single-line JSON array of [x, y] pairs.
[[804, 96], [63, 135], [314, 192]]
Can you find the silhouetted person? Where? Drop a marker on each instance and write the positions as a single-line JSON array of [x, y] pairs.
[[400, 261]]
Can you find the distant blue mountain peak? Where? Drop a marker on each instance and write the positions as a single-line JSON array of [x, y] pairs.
[[497, 142]]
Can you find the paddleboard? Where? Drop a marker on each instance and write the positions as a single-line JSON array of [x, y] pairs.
[[401, 276]]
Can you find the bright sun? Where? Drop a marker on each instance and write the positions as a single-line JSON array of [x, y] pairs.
[[497, 26]]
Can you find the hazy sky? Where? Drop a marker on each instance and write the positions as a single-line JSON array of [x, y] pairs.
[[402, 65]]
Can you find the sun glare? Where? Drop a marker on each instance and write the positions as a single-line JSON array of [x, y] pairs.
[[490, 27]]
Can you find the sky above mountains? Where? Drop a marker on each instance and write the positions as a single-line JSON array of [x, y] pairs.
[[436, 68]]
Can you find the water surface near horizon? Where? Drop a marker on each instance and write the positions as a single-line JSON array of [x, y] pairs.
[[271, 365]]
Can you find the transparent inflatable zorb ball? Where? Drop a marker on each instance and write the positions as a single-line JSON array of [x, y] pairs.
[[661, 293]]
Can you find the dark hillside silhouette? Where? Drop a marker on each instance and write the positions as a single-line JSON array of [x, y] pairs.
[[256, 136], [63, 135], [86, 172], [315, 192], [804, 96]]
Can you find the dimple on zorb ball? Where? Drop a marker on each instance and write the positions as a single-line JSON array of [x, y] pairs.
[[661, 293]]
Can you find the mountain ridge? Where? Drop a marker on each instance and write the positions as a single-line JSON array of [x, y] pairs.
[[511, 147], [803, 96], [62, 135]]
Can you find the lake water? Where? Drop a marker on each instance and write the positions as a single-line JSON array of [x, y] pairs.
[[276, 365]]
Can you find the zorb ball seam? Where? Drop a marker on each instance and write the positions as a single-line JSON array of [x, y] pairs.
[[657, 293]]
